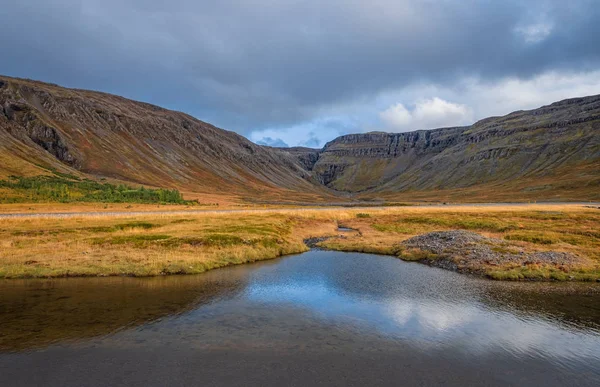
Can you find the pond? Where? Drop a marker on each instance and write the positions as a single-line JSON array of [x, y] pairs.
[[318, 318]]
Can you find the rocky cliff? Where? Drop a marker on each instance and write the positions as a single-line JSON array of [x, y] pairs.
[[523, 150]]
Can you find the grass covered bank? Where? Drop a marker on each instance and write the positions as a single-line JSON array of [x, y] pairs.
[[147, 245]]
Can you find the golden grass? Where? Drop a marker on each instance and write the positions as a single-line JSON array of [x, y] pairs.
[[176, 243], [566, 228], [147, 245]]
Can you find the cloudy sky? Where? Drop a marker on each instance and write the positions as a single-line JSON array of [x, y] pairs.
[[301, 72]]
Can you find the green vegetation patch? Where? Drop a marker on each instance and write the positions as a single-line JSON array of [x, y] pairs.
[[395, 227], [177, 242], [463, 223], [536, 238], [363, 215], [582, 238], [505, 250], [547, 215], [93, 229], [415, 254], [249, 229], [140, 240], [542, 274], [408, 225], [211, 240], [226, 240], [29, 233], [220, 240], [180, 221], [132, 225], [582, 233], [68, 189]]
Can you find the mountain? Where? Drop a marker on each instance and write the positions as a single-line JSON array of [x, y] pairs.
[[46, 127], [550, 153]]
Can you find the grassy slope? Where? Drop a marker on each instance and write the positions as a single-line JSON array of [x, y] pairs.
[[176, 244], [578, 183]]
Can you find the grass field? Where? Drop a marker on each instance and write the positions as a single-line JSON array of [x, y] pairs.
[[149, 245]]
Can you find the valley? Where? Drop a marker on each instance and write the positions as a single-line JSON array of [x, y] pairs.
[[548, 154], [93, 184]]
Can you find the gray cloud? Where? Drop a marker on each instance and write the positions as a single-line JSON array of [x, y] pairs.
[[275, 142], [259, 64], [312, 142]]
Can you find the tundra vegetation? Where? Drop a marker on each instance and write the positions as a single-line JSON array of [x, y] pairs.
[[150, 245], [64, 188]]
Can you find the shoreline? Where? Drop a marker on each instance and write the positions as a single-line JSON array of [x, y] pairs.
[[444, 264], [149, 245]]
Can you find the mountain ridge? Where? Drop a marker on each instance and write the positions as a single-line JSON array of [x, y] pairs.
[[46, 127], [550, 138]]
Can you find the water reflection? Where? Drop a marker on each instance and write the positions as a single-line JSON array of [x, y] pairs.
[[36, 313], [419, 304], [346, 306]]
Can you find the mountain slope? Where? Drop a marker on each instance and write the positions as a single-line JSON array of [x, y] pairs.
[[548, 150], [45, 126], [548, 153]]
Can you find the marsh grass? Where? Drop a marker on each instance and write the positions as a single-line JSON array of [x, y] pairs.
[[148, 245]]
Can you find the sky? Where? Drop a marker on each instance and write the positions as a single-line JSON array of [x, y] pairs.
[[302, 72]]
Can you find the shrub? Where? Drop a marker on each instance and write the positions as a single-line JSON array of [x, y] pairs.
[[67, 189]]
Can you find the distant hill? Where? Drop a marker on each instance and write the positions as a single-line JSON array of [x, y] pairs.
[[550, 153]]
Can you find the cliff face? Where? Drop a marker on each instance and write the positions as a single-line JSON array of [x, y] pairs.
[[525, 145], [307, 157], [46, 126], [363, 161]]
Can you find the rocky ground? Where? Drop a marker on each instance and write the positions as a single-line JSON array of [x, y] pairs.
[[466, 251]]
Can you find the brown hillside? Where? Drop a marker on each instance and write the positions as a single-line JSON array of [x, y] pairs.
[[102, 135]]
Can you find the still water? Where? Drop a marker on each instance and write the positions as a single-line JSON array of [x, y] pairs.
[[320, 318]]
